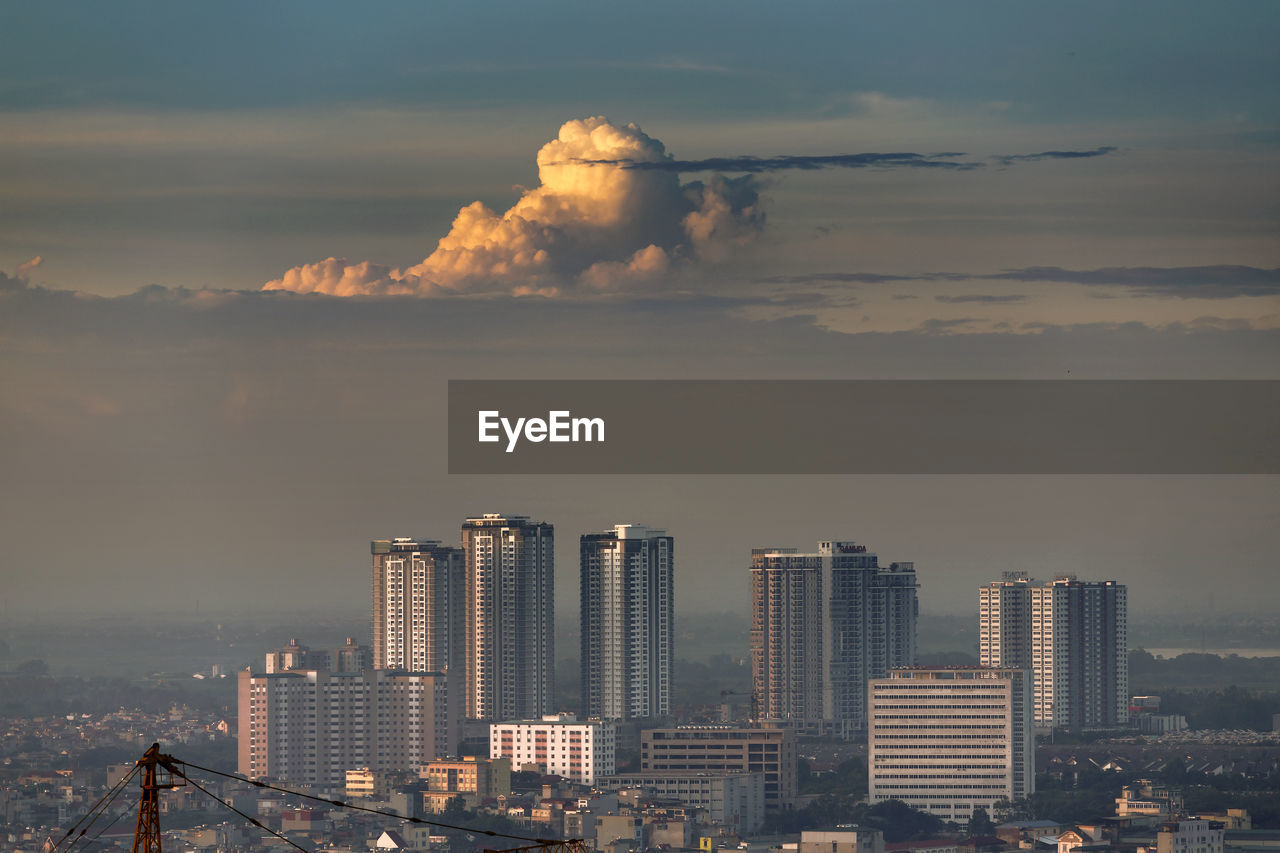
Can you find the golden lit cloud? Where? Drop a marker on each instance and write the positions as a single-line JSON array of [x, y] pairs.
[[591, 222]]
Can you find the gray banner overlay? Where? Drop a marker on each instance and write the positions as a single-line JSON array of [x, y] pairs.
[[865, 427]]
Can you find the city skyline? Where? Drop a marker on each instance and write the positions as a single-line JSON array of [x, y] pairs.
[[263, 266], [950, 593]]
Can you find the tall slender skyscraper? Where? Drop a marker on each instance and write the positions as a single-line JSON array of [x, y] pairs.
[[786, 637], [510, 657], [823, 624], [1072, 634], [627, 618], [419, 588]]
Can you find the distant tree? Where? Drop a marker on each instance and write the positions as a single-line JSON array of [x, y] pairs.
[[525, 780], [900, 822], [849, 778], [454, 810], [980, 823], [1005, 810], [628, 761], [803, 776], [33, 668]]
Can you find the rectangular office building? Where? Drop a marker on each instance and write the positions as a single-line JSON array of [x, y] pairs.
[[948, 740]]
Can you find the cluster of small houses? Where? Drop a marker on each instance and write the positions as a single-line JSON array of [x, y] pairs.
[[51, 741], [1196, 760], [1148, 820]]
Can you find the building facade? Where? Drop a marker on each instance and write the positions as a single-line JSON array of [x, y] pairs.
[[312, 726], [1072, 634], [419, 588], [1191, 836], [1147, 799], [471, 778], [732, 799], [948, 740], [786, 637], [717, 749], [823, 624], [510, 600], [559, 744], [852, 840], [628, 616]]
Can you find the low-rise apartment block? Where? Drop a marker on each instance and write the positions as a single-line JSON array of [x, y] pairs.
[[719, 749], [560, 744]]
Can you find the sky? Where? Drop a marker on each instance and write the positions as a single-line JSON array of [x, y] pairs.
[[244, 247]]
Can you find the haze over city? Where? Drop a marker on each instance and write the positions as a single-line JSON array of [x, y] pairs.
[[244, 250]]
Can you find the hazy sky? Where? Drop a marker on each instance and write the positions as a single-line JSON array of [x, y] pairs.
[[815, 190]]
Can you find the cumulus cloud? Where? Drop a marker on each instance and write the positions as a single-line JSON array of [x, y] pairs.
[[586, 225], [340, 277]]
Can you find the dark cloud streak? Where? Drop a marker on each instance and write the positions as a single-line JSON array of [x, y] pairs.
[[813, 162], [1222, 281], [982, 298], [785, 162], [1010, 159]]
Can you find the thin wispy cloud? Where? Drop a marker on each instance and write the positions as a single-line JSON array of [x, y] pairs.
[[986, 298], [837, 277], [785, 162], [1010, 159], [866, 160], [1221, 281]]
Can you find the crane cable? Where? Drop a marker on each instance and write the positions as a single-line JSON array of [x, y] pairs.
[[251, 820], [344, 805], [128, 810], [104, 802]]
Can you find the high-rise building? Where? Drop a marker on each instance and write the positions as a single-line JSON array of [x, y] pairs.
[[627, 622], [419, 588], [510, 657], [312, 726], [1072, 634], [948, 740], [823, 624], [786, 637]]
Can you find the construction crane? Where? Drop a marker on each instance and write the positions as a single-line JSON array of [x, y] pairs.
[[158, 775]]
